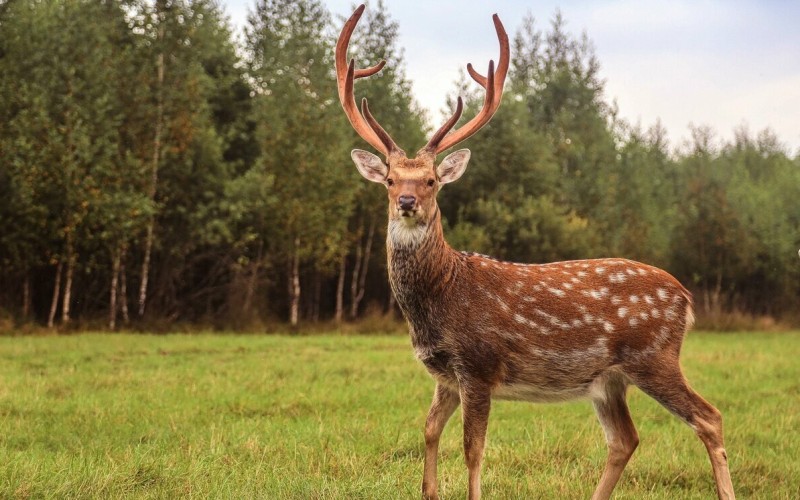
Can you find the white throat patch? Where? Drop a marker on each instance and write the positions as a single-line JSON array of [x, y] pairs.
[[403, 234]]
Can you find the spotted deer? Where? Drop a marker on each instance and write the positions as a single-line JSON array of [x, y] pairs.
[[488, 329]]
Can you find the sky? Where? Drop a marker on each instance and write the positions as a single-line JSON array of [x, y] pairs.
[[722, 64]]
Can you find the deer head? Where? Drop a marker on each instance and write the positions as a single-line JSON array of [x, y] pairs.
[[412, 183]]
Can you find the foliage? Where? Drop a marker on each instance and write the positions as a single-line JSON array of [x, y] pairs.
[[136, 126]]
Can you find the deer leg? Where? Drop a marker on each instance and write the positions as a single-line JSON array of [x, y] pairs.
[[674, 393], [612, 412], [444, 404], [475, 406]]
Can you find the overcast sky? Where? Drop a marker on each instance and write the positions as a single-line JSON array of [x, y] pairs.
[[717, 63]]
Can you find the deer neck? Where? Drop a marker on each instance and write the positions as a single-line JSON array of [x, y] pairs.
[[421, 266]]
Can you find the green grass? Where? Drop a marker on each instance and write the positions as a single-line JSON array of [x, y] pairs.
[[203, 416]]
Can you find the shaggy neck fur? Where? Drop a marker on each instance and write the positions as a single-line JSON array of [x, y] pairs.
[[421, 268]]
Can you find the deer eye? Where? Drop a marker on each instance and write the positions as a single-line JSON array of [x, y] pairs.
[[390, 182], [431, 182]]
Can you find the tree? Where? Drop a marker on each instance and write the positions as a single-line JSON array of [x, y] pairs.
[[511, 203], [183, 133], [63, 126], [300, 140]]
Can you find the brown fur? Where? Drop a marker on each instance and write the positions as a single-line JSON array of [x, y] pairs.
[[489, 329]]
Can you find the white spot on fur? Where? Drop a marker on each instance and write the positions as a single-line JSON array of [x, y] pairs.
[[622, 312], [567, 286], [633, 321], [644, 316], [596, 294], [525, 321], [502, 303], [616, 300], [655, 313], [649, 299], [557, 292], [634, 299], [617, 277], [600, 270], [608, 326], [662, 294], [631, 271], [581, 274], [528, 298], [552, 319]]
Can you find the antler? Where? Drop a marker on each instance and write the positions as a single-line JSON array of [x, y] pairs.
[[493, 83], [346, 74]]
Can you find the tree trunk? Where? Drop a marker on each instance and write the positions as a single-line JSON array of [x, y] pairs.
[[148, 248], [26, 295], [317, 297], [392, 303], [356, 269], [340, 291], [294, 286], [112, 299], [123, 288], [56, 291], [65, 305], [252, 282], [360, 280], [148, 245]]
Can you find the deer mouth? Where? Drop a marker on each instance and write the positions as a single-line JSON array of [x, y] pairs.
[[407, 212]]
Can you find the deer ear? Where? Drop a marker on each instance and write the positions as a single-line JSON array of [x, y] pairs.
[[369, 165], [453, 166]]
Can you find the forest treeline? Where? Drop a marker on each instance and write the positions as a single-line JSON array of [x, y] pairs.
[[156, 167]]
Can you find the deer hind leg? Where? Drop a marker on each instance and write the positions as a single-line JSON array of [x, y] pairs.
[[444, 404], [475, 406], [612, 412], [669, 387]]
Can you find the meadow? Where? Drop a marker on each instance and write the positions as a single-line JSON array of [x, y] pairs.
[[330, 416]]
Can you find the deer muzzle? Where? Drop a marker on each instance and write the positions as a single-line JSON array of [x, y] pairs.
[[407, 204]]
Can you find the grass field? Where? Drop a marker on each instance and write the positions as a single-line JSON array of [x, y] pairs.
[[224, 416]]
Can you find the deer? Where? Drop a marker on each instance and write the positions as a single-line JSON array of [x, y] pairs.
[[487, 329]]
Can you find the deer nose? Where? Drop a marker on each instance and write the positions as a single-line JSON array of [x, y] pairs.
[[407, 202]]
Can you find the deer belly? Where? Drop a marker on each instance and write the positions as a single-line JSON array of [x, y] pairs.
[[540, 393]]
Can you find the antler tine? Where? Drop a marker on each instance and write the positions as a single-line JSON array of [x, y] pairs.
[[476, 76], [493, 84], [373, 123], [439, 135], [362, 73], [346, 74], [434, 145]]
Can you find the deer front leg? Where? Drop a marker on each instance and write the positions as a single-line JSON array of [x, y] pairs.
[[475, 406], [444, 404]]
